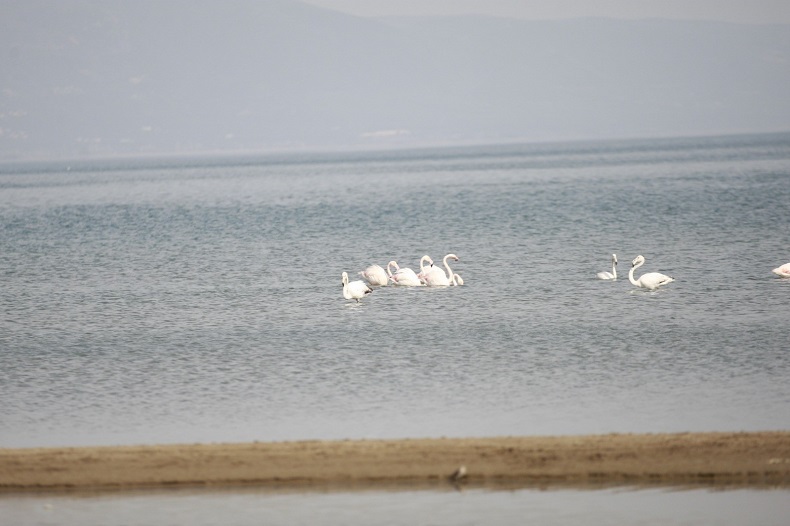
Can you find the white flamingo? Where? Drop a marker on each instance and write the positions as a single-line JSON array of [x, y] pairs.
[[405, 277], [423, 268], [389, 270], [783, 271], [609, 275], [436, 277], [375, 276], [354, 290], [651, 280]]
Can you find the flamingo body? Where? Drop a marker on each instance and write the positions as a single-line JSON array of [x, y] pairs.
[[354, 290], [650, 281], [404, 277], [783, 271], [375, 276], [436, 277], [609, 275]]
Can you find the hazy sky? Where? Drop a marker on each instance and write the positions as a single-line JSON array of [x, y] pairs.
[[91, 77], [753, 11]]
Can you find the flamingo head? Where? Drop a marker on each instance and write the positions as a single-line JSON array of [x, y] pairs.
[[614, 258], [638, 260]]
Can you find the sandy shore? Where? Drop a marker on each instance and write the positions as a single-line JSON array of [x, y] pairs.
[[734, 459]]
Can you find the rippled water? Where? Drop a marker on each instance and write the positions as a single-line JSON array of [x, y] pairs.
[[192, 300]]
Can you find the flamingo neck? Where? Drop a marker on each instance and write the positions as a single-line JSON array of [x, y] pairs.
[[392, 263], [631, 274], [449, 270], [422, 263], [614, 269]]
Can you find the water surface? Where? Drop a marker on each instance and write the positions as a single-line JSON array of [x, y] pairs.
[[238, 507], [199, 300]]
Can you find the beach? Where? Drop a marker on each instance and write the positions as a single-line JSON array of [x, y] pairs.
[[747, 459]]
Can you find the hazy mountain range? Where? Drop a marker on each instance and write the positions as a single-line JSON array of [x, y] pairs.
[[102, 77]]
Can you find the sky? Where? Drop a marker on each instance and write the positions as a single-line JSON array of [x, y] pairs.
[[92, 78], [750, 11]]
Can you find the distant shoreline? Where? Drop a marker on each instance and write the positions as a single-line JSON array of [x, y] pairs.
[[297, 155], [749, 459]]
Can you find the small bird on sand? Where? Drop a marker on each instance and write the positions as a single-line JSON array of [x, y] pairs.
[[458, 474]]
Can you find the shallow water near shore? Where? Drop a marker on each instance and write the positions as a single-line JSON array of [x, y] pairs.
[[240, 506]]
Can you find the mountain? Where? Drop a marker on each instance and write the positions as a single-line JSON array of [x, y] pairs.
[[105, 77]]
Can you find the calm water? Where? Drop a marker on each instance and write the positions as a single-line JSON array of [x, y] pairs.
[[199, 300], [241, 507]]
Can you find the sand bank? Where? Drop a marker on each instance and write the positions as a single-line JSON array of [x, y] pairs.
[[734, 459]]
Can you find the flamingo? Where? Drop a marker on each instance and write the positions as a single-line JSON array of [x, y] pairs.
[[375, 276], [435, 277], [783, 271], [650, 281], [610, 275], [354, 290], [423, 268], [404, 277]]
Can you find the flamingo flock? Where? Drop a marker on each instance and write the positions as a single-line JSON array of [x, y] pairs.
[[429, 275]]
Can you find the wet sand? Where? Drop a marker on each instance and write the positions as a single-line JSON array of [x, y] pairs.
[[756, 459]]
